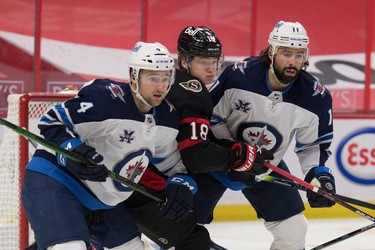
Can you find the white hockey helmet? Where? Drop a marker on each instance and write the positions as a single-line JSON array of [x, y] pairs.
[[289, 34], [150, 56]]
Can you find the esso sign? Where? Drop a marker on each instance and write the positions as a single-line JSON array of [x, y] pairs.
[[356, 156]]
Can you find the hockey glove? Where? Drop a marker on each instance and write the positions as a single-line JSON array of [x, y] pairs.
[[178, 195], [320, 177], [85, 172], [250, 159]]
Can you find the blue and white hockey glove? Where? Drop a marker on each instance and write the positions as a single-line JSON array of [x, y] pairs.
[[178, 195], [82, 171], [320, 177]]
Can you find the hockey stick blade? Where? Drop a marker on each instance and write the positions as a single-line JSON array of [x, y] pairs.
[[76, 157], [318, 191], [292, 184]]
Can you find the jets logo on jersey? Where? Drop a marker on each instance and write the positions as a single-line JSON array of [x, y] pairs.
[[259, 137], [192, 85], [136, 170], [261, 134], [132, 167], [319, 89], [116, 91], [240, 66], [242, 105], [127, 136]]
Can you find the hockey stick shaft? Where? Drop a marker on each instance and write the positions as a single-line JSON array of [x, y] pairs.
[[344, 237], [292, 184], [76, 157], [319, 191]]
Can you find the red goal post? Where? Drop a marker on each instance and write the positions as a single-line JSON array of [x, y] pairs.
[[24, 110]]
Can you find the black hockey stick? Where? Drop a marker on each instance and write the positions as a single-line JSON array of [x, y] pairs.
[[330, 197], [292, 184], [344, 237], [76, 157], [319, 191]]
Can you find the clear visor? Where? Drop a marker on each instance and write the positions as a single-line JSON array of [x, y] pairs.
[[287, 55], [206, 62], [156, 77]]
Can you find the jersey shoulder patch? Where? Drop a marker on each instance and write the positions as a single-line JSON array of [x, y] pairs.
[[192, 85]]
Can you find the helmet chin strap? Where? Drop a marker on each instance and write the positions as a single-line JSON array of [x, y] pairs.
[[139, 96]]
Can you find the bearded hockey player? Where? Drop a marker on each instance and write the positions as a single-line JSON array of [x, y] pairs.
[[268, 100]]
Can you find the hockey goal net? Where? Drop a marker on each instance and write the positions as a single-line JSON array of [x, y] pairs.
[[15, 151]]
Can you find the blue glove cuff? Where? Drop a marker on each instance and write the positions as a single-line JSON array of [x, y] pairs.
[[68, 145], [322, 170], [315, 172], [183, 180]]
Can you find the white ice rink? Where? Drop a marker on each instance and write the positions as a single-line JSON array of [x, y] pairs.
[[252, 235]]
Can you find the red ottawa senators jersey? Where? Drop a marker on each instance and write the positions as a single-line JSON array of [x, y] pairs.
[[194, 106]]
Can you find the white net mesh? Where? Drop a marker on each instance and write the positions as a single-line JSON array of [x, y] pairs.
[[11, 230], [9, 181]]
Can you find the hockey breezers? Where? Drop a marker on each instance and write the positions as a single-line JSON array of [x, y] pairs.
[[330, 197], [292, 184], [76, 157]]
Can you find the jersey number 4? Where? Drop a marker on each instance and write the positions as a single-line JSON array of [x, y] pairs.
[[85, 106]]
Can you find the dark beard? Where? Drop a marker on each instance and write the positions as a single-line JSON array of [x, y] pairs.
[[283, 78]]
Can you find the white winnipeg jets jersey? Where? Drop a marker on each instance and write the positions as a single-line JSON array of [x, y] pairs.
[[104, 116], [247, 109]]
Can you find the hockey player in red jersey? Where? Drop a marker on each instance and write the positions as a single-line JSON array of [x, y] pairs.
[[199, 58]]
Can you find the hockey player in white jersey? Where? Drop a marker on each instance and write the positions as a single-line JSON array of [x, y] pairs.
[[129, 129], [268, 100]]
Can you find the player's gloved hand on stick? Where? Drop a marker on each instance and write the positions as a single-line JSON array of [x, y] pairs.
[[178, 195], [82, 171], [250, 159], [320, 177]]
